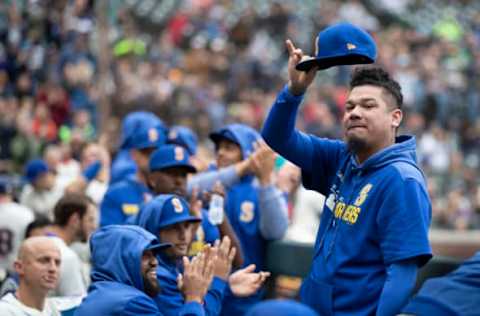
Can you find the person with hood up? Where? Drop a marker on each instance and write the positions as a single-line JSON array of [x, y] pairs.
[[256, 209], [124, 198], [168, 216], [124, 282], [373, 233]]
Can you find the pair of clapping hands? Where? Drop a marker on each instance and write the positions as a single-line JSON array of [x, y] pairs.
[[216, 261]]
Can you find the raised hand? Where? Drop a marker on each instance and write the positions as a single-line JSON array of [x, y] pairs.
[[224, 258], [263, 162], [298, 80], [196, 278], [246, 282]]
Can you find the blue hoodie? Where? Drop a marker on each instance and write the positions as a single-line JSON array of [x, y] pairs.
[[123, 200], [376, 213], [117, 284], [243, 211], [153, 217], [455, 294]]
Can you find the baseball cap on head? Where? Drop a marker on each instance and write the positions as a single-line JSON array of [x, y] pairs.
[[165, 210], [183, 136], [341, 44], [151, 137], [135, 121], [170, 156], [34, 169]]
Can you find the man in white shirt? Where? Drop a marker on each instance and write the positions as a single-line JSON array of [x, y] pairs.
[[38, 268], [14, 218], [43, 190], [75, 218]]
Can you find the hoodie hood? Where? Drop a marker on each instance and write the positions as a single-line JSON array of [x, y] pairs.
[[403, 150], [241, 134], [117, 253]]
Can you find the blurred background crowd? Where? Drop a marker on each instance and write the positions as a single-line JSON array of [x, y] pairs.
[[70, 70]]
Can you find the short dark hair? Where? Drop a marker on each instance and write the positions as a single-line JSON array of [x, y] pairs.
[[377, 76], [40, 221], [68, 205]]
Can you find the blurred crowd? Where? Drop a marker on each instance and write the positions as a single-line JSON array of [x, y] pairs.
[[215, 62]]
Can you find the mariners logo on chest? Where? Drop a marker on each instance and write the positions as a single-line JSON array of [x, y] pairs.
[[349, 213]]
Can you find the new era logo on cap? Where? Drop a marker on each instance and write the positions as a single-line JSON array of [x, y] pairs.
[[351, 46]]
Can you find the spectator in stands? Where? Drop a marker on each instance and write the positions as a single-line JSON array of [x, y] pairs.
[[14, 219], [75, 220], [124, 275], [39, 227], [38, 268], [42, 192]]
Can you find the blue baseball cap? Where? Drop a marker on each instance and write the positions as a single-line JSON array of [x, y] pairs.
[[138, 120], [183, 136], [34, 169], [164, 210], [170, 156], [151, 137], [341, 44]]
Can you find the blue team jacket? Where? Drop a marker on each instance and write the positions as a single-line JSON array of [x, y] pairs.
[[117, 285], [455, 294], [123, 166], [242, 209], [123, 200], [170, 299], [375, 214]]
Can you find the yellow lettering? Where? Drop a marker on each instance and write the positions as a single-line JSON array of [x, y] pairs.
[[339, 209]]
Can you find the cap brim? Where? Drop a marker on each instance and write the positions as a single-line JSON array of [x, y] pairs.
[[217, 137], [189, 168], [158, 247], [183, 219], [327, 62]]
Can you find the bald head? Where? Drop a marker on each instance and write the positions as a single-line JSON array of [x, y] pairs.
[[38, 244], [38, 264]]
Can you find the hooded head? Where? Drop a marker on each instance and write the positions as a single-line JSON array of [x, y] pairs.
[[117, 252], [242, 135], [168, 216]]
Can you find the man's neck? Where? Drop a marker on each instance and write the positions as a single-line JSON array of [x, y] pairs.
[[141, 177], [62, 233], [29, 298], [366, 153]]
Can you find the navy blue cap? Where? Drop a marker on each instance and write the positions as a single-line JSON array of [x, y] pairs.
[[34, 169], [170, 156], [165, 210], [183, 136], [151, 137], [341, 44]]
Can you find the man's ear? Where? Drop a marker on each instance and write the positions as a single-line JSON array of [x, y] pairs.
[[397, 116], [19, 268]]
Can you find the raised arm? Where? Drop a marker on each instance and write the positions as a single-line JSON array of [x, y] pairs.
[[279, 127]]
